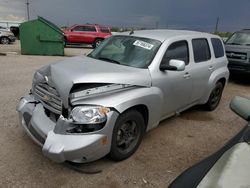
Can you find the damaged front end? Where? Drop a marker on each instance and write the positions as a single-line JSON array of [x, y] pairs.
[[79, 133]]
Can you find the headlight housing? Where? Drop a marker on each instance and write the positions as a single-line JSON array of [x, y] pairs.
[[89, 114]]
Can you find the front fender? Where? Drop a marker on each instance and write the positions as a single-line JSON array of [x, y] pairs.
[[151, 97]]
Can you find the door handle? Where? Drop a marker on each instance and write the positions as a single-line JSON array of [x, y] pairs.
[[211, 68], [186, 75]]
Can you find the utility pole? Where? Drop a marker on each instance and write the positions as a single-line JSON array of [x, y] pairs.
[[28, 9], [217, 24]]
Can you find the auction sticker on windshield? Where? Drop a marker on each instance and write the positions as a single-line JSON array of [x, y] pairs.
[[143, 44]]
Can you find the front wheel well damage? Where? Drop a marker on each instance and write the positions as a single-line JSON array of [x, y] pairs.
[[143, 109]]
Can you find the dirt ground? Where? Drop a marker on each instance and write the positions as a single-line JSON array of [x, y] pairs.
[[165, 152]]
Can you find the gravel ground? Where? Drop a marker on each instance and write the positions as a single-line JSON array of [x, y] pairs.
[[165, 152]]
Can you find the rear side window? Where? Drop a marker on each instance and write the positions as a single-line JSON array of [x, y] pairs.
[[177, 50], [218, 47], [201, 50], [89, 28]]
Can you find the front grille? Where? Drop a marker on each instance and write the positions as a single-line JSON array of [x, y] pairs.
[[49, 98], [236, 55]]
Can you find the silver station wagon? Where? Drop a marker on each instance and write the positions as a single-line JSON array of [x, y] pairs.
[[86, 107]]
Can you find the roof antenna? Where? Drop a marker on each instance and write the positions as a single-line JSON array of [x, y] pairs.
[[131, 32]]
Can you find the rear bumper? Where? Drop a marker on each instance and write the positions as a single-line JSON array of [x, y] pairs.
[[63, 147]]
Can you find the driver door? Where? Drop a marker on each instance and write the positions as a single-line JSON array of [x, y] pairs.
[[175, 85]]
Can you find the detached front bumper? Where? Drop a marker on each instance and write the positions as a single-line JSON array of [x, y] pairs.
[[81, 148]]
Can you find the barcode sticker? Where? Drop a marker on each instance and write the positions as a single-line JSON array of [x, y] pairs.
[[143, 44]]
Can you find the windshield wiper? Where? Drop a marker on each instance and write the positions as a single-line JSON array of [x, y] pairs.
[[109, 60]]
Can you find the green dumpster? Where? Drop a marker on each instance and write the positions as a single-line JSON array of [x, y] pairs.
[[41, 37]]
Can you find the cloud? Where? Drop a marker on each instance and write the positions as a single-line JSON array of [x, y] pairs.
[[136, 20], [191, 14], [11, 17], [13, 10], [147, 19]]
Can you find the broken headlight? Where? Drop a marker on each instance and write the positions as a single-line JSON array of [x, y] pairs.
[[89, 114]]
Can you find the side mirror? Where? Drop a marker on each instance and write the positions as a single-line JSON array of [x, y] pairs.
[[174, 65], [241, 106]]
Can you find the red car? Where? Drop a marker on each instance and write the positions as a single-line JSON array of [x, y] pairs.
[[89, 34]]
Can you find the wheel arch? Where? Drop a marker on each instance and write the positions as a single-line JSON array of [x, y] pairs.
[[143, 110], [99, 38], [95, 40], [219, 75]]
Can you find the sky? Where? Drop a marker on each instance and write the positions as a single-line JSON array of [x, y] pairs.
[[175, 14]]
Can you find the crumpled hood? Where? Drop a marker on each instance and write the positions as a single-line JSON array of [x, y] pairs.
[[64, 74]]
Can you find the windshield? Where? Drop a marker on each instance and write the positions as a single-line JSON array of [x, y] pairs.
[[239, 39], [127, 50]]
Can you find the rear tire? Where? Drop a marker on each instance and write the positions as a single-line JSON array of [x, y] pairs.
[[4, 40], [127, 135], [97, 43], [215, 97]]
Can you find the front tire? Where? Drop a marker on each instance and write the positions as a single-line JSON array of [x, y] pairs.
[[4, 40], [127, 135], [215, 97]]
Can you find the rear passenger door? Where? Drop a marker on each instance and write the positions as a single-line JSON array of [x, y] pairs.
[[202, 67], [89, 34]]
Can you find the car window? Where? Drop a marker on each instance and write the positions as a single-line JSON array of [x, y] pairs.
[[201, 50], [177, 50], [218, 47], [89, 29], [78, 28]]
